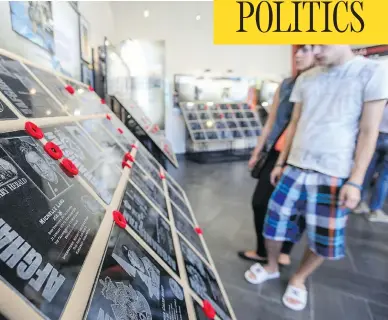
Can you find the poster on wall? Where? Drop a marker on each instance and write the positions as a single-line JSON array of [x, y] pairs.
[[87, 74], [33, 20], [85, 43], [53, 26], [67, 49]]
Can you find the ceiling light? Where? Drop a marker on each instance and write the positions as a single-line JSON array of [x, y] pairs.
[[209, 124], [146, 13], [198, 17], [107, 43], [32, 91], [77, 112], [48, 112], [210, 104]]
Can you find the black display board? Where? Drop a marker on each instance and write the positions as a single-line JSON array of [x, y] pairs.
[[21, 89], [95, 129], [82, 102], [203, 281], [172, 185], [5, 112], [97, 167], [123, 136], [179, 202], [48, 222], [139, 124], [149, 188], [188, 231], [143, 161], [149, 225], [200, 314], [53, 84], [132, 285]]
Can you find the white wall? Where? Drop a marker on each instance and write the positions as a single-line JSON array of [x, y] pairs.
[[100, 16], [189, 43], [190, 48]]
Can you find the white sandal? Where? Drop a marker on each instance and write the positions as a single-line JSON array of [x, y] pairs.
[[257, 274], [297, 294]]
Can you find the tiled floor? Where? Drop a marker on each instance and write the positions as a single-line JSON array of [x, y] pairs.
[[355, 288]]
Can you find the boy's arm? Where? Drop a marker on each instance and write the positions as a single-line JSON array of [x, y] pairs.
[[369, 131]]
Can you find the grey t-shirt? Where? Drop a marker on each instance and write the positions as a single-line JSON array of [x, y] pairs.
[[332, 102]]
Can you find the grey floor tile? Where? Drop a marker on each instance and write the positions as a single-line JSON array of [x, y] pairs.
[[378, 312], [357, 285], [330, 304], [250, 307], [370, 258], [354, 288]]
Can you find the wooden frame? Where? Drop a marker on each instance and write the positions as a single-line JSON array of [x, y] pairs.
[[14, 305]]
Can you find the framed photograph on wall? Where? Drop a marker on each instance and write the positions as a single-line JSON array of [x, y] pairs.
[[87, 74], [34, 21], [85, 40]]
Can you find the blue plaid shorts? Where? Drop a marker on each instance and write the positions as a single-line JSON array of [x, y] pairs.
[[314, 196]]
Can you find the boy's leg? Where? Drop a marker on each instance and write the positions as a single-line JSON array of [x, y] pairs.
[[326, 222], [279, 225], [308, 265]]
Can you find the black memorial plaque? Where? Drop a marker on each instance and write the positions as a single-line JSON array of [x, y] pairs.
[[203, 281], [52, 83], [177, 200], [90, 102], [5, 112], [150, 189], [96, 130], [173, 185], [47, 225], [188, 231], [199, 313], [132, 285], [95, 166], [21, 89], [149, 225], [143, 161], [122, 138]]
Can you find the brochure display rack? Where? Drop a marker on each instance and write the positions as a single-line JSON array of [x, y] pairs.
[[221, 125], [91, 225], [220, 131]]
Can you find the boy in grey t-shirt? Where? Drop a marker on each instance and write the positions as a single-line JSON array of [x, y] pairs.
[[329, 144]]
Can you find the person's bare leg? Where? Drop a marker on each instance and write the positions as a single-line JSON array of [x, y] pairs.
[[284, 259], [310, 262], [253, 254], [273, 251]]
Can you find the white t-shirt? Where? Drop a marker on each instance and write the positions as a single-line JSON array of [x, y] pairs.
[[332, 102], [384, 122]]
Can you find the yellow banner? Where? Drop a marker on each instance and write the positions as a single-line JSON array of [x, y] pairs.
[[300, 22]]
